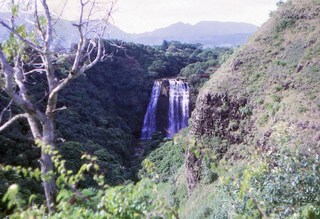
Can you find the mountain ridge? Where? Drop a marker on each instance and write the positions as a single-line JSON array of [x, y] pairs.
[[207, 33]]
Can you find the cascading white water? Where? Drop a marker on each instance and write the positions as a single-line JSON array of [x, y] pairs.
[[178, 106], [149, 121], [178, 109]]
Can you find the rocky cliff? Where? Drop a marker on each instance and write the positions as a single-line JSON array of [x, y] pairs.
[[270, 86], [253, 146]]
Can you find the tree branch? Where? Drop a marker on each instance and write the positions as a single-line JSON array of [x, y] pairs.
[[23, 39], [48, 38], [37, 70], [53, 94], [61, 12], [4, 110], [7, 71], [12, 120], [36, 18], [9, 87]]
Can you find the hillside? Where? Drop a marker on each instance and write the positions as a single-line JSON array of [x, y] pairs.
[[275, 77], [252, 148], [259, 118]]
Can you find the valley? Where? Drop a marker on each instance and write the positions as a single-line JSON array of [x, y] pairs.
[[173, 130]]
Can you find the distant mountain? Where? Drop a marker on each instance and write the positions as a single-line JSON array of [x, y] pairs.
[[207, 33]]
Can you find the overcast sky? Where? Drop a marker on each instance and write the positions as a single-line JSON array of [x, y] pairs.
[[145, 15], [135, 16]]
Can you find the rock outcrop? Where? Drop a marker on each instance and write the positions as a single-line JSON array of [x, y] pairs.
[[267, 95]]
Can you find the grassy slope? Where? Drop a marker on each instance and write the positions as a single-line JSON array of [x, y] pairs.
[[274, 83], [278, 73]]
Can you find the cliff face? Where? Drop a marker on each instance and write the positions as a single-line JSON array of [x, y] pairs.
[[269, 88]]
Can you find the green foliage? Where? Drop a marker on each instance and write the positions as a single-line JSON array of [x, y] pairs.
[[13, 46], [302, 109], [167, 159], [280, 63], [107, 105], [215, 147], [286, 184], [263, 119], [208, 201], [272, 108], [178, 190], [104, 114], [131, 201], [165, 166], [12, 197], [283, 184], [199, 72], [287, 17], [207, 174], [284, 23], [245, 111]]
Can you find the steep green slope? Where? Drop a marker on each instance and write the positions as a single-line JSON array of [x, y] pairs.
[[257, 121], [273, 81]]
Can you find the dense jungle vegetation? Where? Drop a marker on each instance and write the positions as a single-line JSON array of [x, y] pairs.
[[251, 149], [105, 110]]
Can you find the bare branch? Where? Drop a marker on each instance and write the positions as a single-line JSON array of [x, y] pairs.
[[53, 94], [95, 61], [82, 41], [9, 87], [44, 96], [60, 14], [36, 18], [37, 70], [8, 72], [4, 110], [99, 29], [60, 109], [48, 38], [89, 15], [12, 120], [23, 39], [34, 127], [19, 79]]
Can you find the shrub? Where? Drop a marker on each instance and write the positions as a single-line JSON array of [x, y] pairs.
[[284, 24], [286, 183], [167, 159], [131, 201]]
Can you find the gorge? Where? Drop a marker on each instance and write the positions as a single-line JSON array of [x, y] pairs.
[[176, 130]]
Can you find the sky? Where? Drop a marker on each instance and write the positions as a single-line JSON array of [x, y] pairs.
[[136, 16]]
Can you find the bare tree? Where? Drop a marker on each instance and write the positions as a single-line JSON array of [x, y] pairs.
[[37, 39]]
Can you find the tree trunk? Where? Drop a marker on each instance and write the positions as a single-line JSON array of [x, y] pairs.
[[47, 164], [46, 140]]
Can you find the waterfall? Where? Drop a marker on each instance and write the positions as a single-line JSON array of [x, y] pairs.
[[149, 121], [178, 106], [177, 110]]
